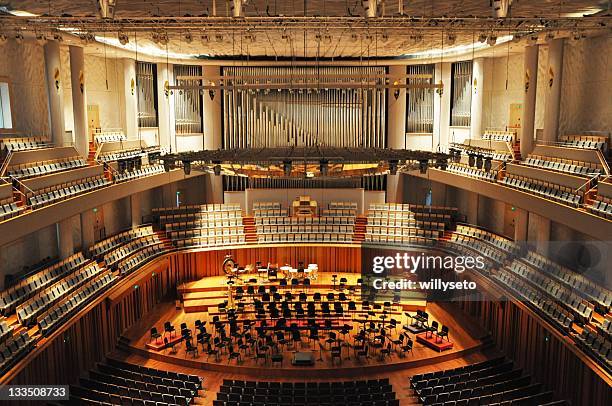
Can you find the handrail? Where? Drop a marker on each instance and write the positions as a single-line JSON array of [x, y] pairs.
[[7, 159], [604, 162]]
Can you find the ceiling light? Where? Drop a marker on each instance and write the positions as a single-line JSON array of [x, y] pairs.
[[451, 38], [123, 38], [188, 38]]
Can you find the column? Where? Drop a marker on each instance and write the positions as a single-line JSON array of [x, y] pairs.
[[441, 127], [542, 228], [88, 220], [165, 106], [64, 238], [130, 98], [529, 100], [396, 131], [521, 223], [472, 214], [212, 133], [553, 90], [136, 209], [55, 91], [477, 98], [79, 100]]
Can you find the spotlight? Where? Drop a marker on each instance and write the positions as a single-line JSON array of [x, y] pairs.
[[219, 38], [492, 40], [3, 38], [441, 164], [550, 36], [123, 38], [187, 167], [471, 159], [188, 38], [487, 164], [451, 38], [217, 169], [166, 165], [479, 161], [19, 37], [482, 38], [423, 165], [40, 38], [393, 167], [205, 38], [516, 37], [532, 40], [324, 166], [287, 168], [58, 37], [163, 38]]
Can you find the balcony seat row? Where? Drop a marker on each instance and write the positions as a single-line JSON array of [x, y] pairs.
[[401, 222], [140, 257], [602, 206], [139, 173], [34, 169], [559, 193], [99, 249], [399, 240], [54, 194], [327, 220], [23, 144], [562, 165], [189, 225], [113, 257], [205, 232], [210, 241], [401, 231], [497, 241], [597, 345], [9, 209], [466, 170], [13, 349], [481, 247]]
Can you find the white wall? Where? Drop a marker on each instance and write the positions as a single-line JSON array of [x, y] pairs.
[[497, 99], [322, 196], [23, 64]]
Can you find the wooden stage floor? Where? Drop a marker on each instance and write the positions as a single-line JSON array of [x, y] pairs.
[[466, 336]]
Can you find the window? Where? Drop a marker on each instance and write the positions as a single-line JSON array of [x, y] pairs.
[[188, 102], [461, 93], [6, 118], [420, 101], [146, 83]]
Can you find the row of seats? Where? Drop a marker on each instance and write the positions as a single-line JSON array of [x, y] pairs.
[[602, 206], [342, 206], [9, 209], [269, 213], [400, 240], [314, 228], [220, 215], [402, 231], [267, 206], [23, 144], [338, 213], [108, 136], [199, 208], [139, 173], [401, 222], [28, 311], [502, 156], [34, 169], [26, 288], [122, 154], [504, 136], [305, 237], [502, 243], [13, 349], [583, 141], [205, 232], [414, 208], [472, 172], [112, 257], [597, 345], [64, 191], [562, 194], [68, 306], [562, 165], [99, 249], [407, 215], [6, 331], [215, 223], [305, 220], [130, 263], [480, 247], [210, 241], [582, 309]]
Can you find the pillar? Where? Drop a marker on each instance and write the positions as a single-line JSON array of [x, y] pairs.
[[529, 100], [55, 92], [441, 126], [136, 209], [212, 133], [553, 90], [64, 238], [542, 231], [79, 100], [477, 98], [130, 98], [396, 131], [521, 223], [88, 220], [472, 214], [165, 106]]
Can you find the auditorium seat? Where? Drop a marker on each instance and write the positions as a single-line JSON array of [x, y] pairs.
[[496, 135], [13, 349], [559, 193], [497, 241], [478, 246], [33, 169], [6, 331], [109, 136], [124, 154], [23, 144], [53, 194], [572, 167], [138, 173], [130, 263], [597, 344], [602, 206], [111, 258], [9, 208], [102, 247], [472, 172], [584, 141]]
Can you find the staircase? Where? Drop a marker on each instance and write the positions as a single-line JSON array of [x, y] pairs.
[[92, 152], [361, 223], [516, 148], [249, 230]]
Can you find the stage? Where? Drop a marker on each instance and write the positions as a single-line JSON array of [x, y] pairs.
[[466, 337]]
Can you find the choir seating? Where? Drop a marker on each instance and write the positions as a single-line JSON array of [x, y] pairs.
[[472, 172], [118, 382], [378, 392], [312, 229], [495, 381], [13, 349], [8, 206], [50, 189], [585, 141], [496, 135], [9, 145], [109, 136]]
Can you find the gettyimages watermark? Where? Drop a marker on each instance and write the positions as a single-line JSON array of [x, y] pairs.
[[559, 271]]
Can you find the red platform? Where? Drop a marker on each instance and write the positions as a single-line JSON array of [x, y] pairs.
[[434, 342], [158, 345]]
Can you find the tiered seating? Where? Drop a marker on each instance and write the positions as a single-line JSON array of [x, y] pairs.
[[582, 309], [62, 310], [121, 383], [33, 169], [602, 206], [111, 258], [24, 289], [579, 168], [496, 150], [489, 382], [128, 264], [595, 293], [559, 193], [268, 209], [267, 206], [13, 349], [495, 240], [505, 136], [28, 311], [472, 172], [118, 155], [584, 141], [109, 136], [340, 209], [350, 393], [99, 249], [51, 189], [23, 144], [8, 206], [139, 173], [477, 245], [597, 344], [6, 331], [311, 229]]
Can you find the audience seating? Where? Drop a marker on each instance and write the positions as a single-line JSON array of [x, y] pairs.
[[602, 206], [128, 264], [13, 349], [57, 315], [9, 209], [559, 193], [99, 249], [26, 288], [472, 172], [505, 136], [138, 173], [56, 193], [497, 241], [563, 165], [23, 144], [584, 141], [33, 169], [377, 392], [310, 229], [118, 155], [475, 244], [112, 257], [597, 344], [6, 331], [109, 136]]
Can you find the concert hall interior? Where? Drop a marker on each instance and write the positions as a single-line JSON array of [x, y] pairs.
[[316, 202]]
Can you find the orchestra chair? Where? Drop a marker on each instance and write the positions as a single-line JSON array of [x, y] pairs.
[[336, 352], [443, 333], [154, 335], [169, 328]]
